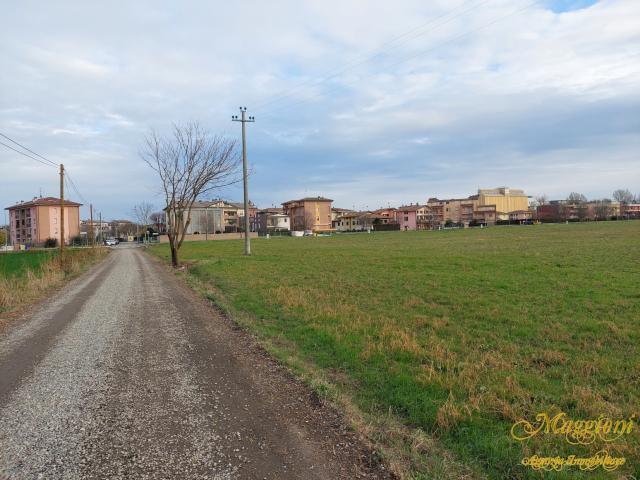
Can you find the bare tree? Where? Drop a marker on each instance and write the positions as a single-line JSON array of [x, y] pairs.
[[309, 220], [603, 209], [158, 219], [576, 198], [142, 213], [539, 200], [190, 162], [623, 196]]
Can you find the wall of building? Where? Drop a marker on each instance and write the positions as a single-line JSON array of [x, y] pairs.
[[406, 219], [505, 202], [321, 214]]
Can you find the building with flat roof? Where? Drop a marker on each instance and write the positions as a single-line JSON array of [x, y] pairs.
[[505, 199], [33, 222]]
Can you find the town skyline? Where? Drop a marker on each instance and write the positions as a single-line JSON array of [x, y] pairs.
[[424, 100]]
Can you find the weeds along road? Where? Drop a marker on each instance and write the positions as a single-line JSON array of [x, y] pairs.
[[128, 374]]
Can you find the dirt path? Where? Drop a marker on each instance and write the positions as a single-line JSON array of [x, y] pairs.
[[128, 374]]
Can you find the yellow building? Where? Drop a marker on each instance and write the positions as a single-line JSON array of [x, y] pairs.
[[505, 199]]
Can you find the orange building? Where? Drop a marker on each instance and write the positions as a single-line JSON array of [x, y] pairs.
[[32, 223], [309, 213]]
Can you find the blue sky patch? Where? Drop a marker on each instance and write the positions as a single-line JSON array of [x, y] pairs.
[[560, 6]]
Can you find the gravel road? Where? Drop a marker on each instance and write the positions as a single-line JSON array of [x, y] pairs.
[[127, 373]]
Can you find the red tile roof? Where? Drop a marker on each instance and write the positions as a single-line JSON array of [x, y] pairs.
[[411, 208], [44, 201], [310, 199]]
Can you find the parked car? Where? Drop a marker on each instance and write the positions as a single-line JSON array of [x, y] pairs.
[[110, 242]]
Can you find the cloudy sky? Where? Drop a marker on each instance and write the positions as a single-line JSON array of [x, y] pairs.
[[369, 102]]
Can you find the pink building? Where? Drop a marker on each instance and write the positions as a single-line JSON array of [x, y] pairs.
[[32, 223], [412, 217]]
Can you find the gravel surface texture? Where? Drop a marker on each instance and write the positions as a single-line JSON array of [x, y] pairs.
[[129, 374]]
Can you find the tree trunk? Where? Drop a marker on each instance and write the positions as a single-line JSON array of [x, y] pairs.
[[174, 256]]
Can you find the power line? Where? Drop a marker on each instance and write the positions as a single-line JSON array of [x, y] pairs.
[[74, 187], [29, 150], [421, 53], [46, 161], [27, 155], [391, 44]]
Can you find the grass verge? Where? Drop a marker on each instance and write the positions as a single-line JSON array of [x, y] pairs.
[[26, 277]]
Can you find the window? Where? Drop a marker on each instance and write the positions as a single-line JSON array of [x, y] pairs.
[[406, 219]]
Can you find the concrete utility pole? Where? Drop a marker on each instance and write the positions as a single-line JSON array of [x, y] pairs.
[[61, 209], [92, 239], [243, 119]]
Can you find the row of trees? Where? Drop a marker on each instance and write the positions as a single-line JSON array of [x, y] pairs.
[[623, 196]]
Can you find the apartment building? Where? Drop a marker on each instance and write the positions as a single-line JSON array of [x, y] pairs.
[[485, 208], [219, 216], [309, 213], [563, 210], [630, 210], [505, 199], [33, 222]]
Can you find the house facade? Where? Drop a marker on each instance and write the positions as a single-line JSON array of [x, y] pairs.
[[219, 216], [32, 223], [272, 221], [413, 217], [630, 210], [309, 213], [354, 222], [384, 216]]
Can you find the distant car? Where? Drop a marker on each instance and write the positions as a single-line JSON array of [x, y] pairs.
[[110, 242]]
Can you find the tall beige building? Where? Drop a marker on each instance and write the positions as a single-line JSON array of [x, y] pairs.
[[309, 213], [505, 199]]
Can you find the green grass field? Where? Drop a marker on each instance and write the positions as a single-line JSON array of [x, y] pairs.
[[457, 333], [14, 264]]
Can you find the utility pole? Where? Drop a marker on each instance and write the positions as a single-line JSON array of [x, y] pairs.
[[92, 239], [61, 209], [100, 228], [244, 120]]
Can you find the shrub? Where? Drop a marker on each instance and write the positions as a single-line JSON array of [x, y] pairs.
[[77, 241], [51, 243]]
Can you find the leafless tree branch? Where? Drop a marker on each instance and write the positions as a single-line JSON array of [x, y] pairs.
[[190, 163]]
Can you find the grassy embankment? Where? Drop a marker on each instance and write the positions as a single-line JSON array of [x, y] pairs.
[[437, 342], [27, 276]]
